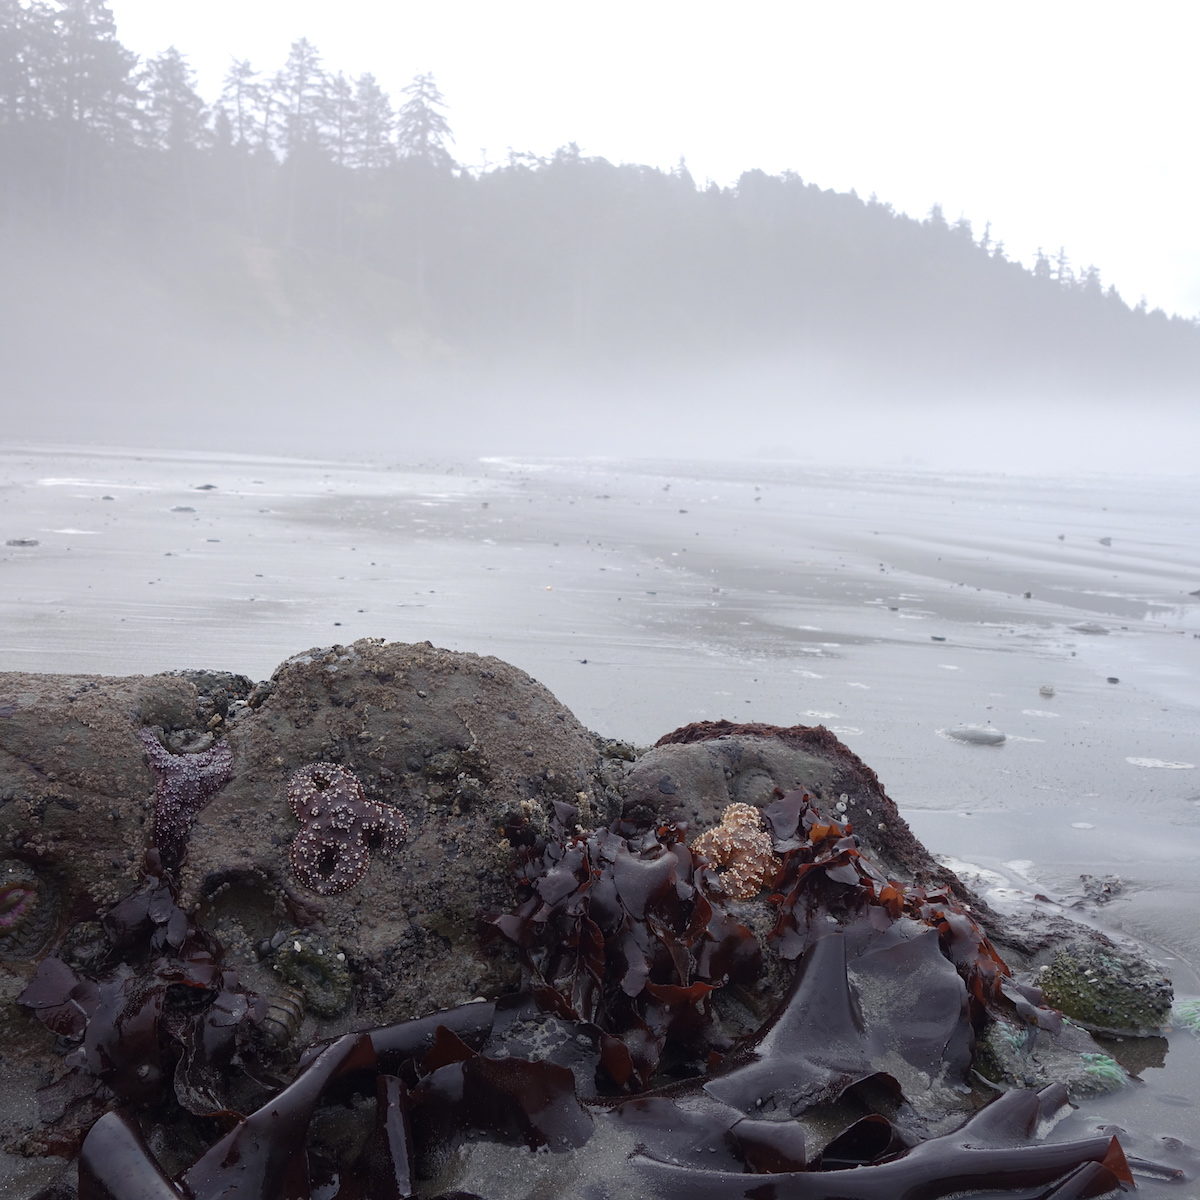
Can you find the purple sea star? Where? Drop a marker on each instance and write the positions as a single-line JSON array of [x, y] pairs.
[[339, 828], [184, 784]]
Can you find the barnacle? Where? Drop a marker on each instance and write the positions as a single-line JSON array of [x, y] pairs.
[[742, 846], [339, 827]]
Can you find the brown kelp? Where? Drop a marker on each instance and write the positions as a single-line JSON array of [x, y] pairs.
[[158, 1014], [617, 1048]]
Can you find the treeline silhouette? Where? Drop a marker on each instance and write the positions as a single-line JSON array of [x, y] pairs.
[[303, 207]]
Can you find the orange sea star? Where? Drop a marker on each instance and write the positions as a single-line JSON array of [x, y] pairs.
[[742, 846]]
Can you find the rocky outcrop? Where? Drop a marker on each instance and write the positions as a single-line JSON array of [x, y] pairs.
[[340, 835]]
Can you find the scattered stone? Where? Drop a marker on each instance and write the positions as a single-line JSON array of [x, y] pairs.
[[1100, 889]]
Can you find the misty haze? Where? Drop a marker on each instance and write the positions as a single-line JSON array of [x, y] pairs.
[[283, 369]]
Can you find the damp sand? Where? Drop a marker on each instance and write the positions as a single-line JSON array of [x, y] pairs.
[[891, 607]]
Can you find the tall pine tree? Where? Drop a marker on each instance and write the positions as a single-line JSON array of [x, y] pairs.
[[422, 131], [89, 85], [172, 114]]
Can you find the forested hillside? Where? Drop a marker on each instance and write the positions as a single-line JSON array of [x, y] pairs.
[[156, 238]]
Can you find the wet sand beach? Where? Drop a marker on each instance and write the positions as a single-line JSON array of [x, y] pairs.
[[892, 607]]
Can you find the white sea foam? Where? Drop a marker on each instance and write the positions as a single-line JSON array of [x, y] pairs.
[[1161, 764], [106, 484]]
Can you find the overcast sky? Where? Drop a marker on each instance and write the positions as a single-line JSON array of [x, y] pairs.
[[1063, 122]]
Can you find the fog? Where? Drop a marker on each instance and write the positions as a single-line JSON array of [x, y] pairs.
[[187, 271], [108, 355], [302, 262], [690, 417], [160, 384]]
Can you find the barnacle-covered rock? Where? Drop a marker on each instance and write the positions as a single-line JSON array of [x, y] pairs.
[[1108, 988], [75, 787], [694, 773], [469, 751], [741, 846]]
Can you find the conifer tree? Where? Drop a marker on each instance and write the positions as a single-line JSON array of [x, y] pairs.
[[422, 130], [373, 148], [172, 114], [340, 118], [298, 97], [26, 37], [89, 84], [242, 103]]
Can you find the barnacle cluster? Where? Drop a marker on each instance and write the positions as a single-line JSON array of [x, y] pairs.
[[742, 846], [339, 827]]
